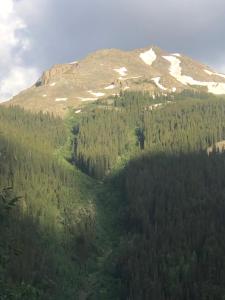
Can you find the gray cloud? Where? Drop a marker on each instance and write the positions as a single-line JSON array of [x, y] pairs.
[[71, 29], [67, 30]]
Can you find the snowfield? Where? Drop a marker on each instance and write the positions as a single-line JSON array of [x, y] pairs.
[[87, 99], [148, 57], [97, 94], [61, 99], [176, 54], [135, 77], [217, 88], [209, 72], [213, 73], [110, 87], [156, 81], [122, 71]]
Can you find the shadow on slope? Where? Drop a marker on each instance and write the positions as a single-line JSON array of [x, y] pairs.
[[174, 225], [52, 229]]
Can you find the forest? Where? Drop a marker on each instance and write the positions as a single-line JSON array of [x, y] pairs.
[[135, 122], [47, 233], [119, 202]]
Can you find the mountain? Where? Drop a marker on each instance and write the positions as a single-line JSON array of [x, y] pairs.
[[108, 72]]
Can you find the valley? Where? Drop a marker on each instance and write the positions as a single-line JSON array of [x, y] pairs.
[[112, 150], [114, 201]]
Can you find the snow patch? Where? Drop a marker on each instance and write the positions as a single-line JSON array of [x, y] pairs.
[[208, 72], [148, 57], [213, 73], [110, 87], [156, 81], [61, 99], [217, 88], [135, 77], [175, 69], [176, 54], [73, 62], [159, 105], [87, 99], [122, 71], [98, 94]]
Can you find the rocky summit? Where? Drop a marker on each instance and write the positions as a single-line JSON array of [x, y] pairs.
[[108, 72]]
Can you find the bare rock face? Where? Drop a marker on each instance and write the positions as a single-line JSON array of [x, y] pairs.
[[56, 72], [108, 72]]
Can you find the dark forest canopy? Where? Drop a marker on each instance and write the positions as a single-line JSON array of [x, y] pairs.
[[149, 224], [45, 241], [109, 135], [174, 222]]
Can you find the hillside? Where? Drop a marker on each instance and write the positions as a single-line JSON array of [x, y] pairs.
[[119, 202], [111, 71]]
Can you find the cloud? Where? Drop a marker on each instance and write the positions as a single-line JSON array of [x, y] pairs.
[[35, 34], [16, 80], [68, 30], [14, 43]]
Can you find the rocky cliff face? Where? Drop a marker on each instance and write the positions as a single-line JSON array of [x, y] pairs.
[[108, 72], [56, 72]]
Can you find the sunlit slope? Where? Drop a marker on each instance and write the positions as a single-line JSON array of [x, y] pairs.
[[111, 71]]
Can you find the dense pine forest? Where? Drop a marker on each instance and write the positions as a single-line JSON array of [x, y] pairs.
[[48, 231], [121, 201], [173, 246], [134, 122]]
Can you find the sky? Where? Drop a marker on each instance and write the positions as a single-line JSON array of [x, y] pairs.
[[35, 34]]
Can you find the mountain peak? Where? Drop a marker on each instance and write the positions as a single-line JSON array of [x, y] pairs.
[[107, 72]]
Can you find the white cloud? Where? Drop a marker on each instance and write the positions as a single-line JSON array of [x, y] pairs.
[[14, 42], [16, 80]]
